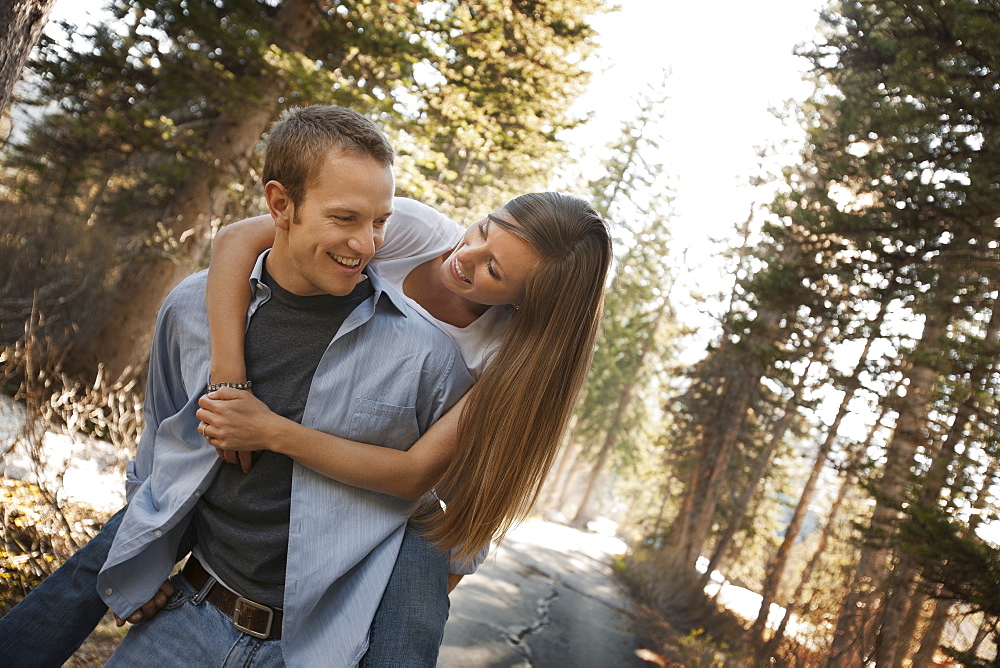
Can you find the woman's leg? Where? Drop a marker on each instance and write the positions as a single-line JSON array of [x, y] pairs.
[[54, 619], [409, 624]]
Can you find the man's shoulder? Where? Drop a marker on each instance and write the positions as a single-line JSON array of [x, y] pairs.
[[186, 302], [189, 290]]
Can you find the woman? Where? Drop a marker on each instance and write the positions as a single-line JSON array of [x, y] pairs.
[[520, 293]]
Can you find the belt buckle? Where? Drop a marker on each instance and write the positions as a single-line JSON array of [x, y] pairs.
[[241, 617]]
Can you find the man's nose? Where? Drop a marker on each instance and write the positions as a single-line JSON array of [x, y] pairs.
[[363, 240]]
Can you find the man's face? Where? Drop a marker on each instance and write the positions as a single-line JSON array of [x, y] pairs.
[[333, 232]]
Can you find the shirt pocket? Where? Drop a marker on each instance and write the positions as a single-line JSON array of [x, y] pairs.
[[383, 424]]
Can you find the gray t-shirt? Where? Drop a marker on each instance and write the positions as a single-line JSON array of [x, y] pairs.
[[242, 519]]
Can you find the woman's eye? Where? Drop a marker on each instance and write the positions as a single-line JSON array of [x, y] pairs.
[[492, 272]]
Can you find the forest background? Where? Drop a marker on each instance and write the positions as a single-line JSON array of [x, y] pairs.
[[820, 424]]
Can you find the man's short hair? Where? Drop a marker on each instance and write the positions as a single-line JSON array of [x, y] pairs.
[[300, 139]]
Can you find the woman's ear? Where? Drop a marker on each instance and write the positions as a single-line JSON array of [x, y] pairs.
[[281, 205]]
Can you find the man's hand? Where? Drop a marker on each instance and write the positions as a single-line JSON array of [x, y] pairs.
[[149, 609]]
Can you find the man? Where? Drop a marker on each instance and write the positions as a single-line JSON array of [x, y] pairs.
[[384, 378]]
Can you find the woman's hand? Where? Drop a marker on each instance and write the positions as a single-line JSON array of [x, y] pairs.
[[236, 423]]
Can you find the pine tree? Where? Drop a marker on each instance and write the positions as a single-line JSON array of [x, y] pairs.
[[896, 196]]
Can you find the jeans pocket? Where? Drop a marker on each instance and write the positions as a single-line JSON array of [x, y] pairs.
[[183, 592]]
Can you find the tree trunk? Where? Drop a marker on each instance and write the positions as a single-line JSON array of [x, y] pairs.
[[777, 564], [894, 632], [702, 492], [566, 484], [610, 440], [558, 474], [860, 614], [794, 605], [850, 475], [120, 334], [931, 637], [775, 438], [21, 24]]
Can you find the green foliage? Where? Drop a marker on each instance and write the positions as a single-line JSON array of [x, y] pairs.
[[129, 110], [967, 566], [498, 94]]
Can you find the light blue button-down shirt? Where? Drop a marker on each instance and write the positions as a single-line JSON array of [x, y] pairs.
[[386, 376]]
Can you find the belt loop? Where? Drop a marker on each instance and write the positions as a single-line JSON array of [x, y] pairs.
[[203, 592]]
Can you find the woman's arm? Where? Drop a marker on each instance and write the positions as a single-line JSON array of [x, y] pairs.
[[234, 253], [238, 421]]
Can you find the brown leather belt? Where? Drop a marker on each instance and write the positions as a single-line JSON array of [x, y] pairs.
[[251, 618]]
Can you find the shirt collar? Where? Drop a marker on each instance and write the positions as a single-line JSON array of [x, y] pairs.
[[381, 286]]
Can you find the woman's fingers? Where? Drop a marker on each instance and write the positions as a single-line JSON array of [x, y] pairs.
[[228, 456]]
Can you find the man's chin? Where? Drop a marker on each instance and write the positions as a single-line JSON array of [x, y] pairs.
[[344, 288]]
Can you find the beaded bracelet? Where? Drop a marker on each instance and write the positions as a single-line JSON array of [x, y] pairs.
[[212, 387]]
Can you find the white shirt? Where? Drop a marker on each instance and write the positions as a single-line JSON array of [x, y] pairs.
[[415, 234]]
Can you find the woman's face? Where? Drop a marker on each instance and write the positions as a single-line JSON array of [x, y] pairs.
[[491, 264]]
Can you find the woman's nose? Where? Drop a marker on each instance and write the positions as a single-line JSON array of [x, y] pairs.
[[471, 251]]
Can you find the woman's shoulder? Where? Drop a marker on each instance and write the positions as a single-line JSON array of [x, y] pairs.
[[416, 228]]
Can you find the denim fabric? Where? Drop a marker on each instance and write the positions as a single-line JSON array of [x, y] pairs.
[[189, 631], [54, 619], [409, 624]]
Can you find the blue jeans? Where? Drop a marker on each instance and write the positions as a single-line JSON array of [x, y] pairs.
[[57, 616], [409, 624], [189, 631]]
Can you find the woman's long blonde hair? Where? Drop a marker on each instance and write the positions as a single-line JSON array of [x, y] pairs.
[[513, 420]]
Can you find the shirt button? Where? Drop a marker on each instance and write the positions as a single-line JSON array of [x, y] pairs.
[[107, 592], [197, 495], [157, 533]]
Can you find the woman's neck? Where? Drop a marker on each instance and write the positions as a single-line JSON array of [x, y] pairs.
[[424, 286]]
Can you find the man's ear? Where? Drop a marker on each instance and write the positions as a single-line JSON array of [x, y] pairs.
[[281, 205]]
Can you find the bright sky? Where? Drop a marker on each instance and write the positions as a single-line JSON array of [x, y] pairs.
[[730, 63]]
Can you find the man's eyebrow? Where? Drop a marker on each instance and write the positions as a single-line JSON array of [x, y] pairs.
[[340, 209]]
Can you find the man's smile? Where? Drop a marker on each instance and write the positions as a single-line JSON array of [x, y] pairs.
[[346, 261]]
